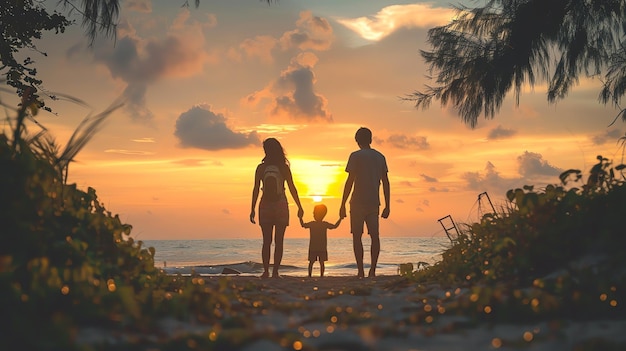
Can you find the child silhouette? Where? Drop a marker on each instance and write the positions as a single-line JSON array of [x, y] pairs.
[[318, 237]]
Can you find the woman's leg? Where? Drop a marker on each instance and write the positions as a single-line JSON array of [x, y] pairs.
[[321, 268], [279, 237], [266, 229]]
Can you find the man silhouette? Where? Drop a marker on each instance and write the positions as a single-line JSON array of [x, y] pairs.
[[367, 169]]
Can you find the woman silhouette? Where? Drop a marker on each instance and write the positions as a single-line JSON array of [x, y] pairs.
[[272, 173]]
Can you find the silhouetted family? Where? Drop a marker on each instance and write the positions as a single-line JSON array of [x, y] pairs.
[[367, 170]]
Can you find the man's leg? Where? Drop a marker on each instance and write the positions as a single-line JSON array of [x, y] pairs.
[[371, 220], [375, 250], [357, 245]]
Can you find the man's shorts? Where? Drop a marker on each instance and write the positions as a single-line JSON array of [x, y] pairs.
[[274, 212], [318, 256], [367, 216]]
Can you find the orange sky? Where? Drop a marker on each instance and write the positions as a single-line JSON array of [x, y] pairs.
[[204, 87]]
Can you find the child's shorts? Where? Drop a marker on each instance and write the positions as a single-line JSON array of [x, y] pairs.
[[318, 256]]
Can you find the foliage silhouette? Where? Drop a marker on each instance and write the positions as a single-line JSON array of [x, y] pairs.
[[550, 254], [66, 261], [486, 51]]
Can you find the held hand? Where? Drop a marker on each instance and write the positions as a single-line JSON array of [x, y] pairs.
[[342, 212], [300, 212], [252, 217], [385, 213]]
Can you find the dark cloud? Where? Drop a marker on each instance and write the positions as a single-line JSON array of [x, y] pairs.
[[402, 141], [500, 133], [532, 164], [140, 62], [301, 102], [135, 102], [201, 128], [610, 136], [293, 94], [432, 189], [428, 179], [406, 183]]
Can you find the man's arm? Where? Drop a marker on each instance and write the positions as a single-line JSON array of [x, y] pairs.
[[346, 193], [387, 194]]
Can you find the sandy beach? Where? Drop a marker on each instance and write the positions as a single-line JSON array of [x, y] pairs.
[[381, 313]]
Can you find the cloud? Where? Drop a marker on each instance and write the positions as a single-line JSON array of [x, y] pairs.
[[144, 140], [129, 152], [195, 162], [611, 135], [500, 133], [532, 164], [432, 189], [402, 141], [312, 33], [260, 47], [395, 17], [428, 179], [201, 128], [406, 183], [141, 62], [143, 6], [293, 93], [531, 168], [489, 179]]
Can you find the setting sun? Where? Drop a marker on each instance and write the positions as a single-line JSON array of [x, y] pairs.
[[318, 179]]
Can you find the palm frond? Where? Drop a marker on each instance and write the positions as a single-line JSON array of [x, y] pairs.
[[86, 130]]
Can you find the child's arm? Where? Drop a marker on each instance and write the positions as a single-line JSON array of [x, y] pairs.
[[305, 225], [333, 226]]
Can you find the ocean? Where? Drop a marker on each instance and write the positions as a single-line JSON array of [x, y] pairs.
[[213, 256]]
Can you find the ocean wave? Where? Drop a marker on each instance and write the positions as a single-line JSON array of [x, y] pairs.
[[247, 267]]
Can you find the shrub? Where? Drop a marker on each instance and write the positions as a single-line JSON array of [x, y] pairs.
[[66, 262], [561, 247]]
